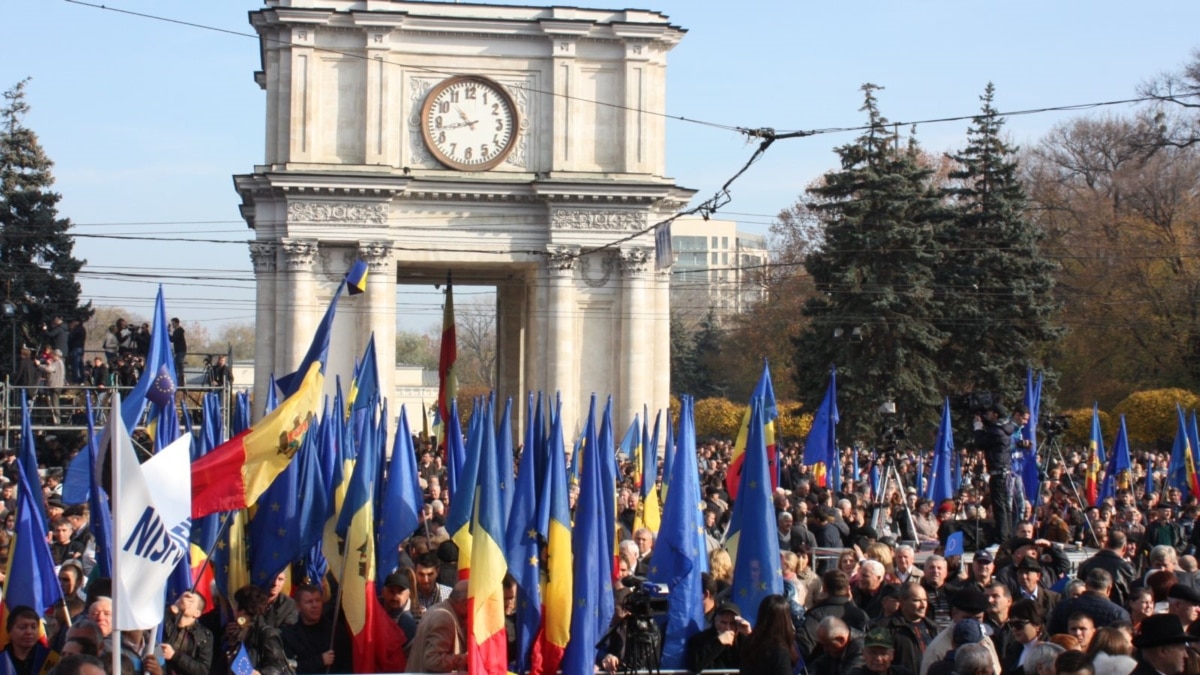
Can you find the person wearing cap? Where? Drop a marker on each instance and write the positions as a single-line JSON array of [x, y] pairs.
[[1184, 602], [1029, 578], [993, 436], [1052, 559], [1095, 602], [719, 646], [396, 599], [1162, 646], [965, 632], [1111, 559], [968, 603], [879, 654], [982, 571], [306, 642]]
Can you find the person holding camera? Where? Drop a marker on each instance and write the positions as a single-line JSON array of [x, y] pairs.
[[993, 436]]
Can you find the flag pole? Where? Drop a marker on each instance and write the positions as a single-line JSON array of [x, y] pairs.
[[225, 518], [115, 453]]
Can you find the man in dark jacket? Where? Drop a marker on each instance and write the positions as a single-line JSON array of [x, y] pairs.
[[281, 610], [841, 652], [1110, 560], [1094, 602], [838, 604], [879, 653], [911, 630], [719, 646], [187, 646], [1162, 646], [306, 642], [993, 434]]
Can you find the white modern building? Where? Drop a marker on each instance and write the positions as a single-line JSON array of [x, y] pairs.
[[716, 266]]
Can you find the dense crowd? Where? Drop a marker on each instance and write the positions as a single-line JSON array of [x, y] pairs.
[[867, 587]]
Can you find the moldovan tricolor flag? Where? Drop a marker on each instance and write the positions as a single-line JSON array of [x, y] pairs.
[[151, 523], [556, 529], [487, 642], [235, 474], [378, 643], [765, 391], [448, 356]]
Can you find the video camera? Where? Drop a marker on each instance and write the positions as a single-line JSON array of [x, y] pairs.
[[1054, 425], [645, 598], [975, 402]]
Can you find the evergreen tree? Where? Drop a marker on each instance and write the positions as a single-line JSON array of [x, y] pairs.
[[995, 285], [707, 382], [683, 358], [36, 265], [874, 270]]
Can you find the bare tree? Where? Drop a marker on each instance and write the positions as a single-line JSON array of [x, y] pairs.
[[475, 328]]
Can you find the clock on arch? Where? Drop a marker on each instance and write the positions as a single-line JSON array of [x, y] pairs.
[[469, 122]]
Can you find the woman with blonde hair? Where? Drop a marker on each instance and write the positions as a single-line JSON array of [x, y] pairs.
[[720, 565], [882, 553]]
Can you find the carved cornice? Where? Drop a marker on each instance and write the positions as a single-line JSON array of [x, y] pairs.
[[345, 213], [299, 254], [634, 261], [597, 220], [561, 260], [262, 255], [377, 254]]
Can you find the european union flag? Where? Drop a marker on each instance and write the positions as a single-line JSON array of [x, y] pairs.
[[521, 545], [241, 663], [680, 554], [756, 569], [402, 499], [356, 278], [588, 544]]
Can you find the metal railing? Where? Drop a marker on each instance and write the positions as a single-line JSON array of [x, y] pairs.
[[65, 408]]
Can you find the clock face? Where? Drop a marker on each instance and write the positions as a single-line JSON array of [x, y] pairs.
[[469, 123]]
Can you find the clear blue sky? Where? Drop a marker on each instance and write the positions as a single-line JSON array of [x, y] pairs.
[[147, 121]]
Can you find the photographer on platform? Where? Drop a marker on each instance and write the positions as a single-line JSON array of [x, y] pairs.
[[993, 436]]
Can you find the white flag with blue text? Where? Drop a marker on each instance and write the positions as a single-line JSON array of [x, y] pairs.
[[153, 523]]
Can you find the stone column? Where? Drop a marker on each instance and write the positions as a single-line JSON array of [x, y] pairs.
[[562, 374], [511, 341], [379, 316], [637, 342], [263, 257], [295, 320]]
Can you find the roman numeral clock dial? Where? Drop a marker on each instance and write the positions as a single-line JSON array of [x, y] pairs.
[[469, 123]]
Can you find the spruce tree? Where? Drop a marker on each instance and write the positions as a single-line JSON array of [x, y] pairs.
[[37, 268], [994, 284], [707, 382], [874, 271]]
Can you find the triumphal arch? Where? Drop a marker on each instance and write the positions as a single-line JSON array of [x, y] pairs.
[[510, 146]]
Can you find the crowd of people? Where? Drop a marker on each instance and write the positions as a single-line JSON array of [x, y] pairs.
[[855, 599]]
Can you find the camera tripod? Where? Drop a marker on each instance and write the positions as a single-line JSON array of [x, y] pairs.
[[1052, 446], [889, 474]]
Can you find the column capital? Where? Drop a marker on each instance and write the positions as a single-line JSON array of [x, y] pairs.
[[299, 254], [634, 262], [562, 260], [377, 254], [262, 256]]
